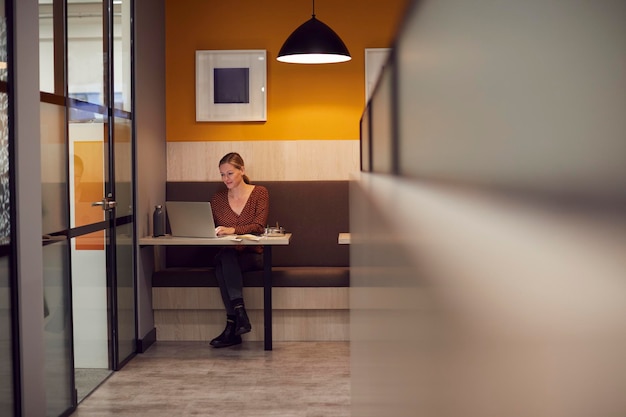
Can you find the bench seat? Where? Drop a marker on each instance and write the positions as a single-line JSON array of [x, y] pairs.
[[310, 276], [293, 276]]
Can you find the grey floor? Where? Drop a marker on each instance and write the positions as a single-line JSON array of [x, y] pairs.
[[296, 379], [88, 379]]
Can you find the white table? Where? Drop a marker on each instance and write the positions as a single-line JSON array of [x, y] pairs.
[[265, 241]]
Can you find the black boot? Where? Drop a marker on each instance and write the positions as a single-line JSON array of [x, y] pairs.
[[242, 322], [230, 325], [227, 337]]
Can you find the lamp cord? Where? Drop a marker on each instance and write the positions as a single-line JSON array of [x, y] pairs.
[[313, 15]]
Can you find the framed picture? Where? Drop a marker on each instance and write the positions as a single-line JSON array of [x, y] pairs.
[[383, 139], [366, 140], [231, 86], [375, 59]]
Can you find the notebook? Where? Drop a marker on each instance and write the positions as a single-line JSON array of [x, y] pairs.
[[190, 218]]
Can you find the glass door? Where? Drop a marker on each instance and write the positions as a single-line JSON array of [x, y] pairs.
[[125, 307], [88, 143], [100, 142], [86, 137], [59, 364]]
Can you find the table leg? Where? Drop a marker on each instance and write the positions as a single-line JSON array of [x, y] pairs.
[[267, 295]]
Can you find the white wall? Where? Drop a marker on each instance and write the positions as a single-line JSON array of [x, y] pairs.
[[150, 136], [488, 278]]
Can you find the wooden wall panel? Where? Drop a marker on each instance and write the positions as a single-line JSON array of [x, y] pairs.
[[300, 160], [289, 325], [192, 298]]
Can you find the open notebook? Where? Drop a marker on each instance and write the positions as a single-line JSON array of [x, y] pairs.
[[190, 218]]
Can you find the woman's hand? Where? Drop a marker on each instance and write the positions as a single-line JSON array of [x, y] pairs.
[[223, 230]]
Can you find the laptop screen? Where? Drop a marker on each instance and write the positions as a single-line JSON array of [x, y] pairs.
[[190, 218]]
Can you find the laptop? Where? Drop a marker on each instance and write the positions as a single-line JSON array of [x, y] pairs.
[[190, 219]]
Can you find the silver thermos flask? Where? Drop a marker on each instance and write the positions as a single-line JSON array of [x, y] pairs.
[[158, 221]]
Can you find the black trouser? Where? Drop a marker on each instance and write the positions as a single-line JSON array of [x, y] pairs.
[[229, 266]]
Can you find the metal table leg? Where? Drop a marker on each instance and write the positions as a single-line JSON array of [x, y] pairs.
[[267, 295]]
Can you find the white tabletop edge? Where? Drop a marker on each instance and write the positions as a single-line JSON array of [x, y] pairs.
[[171, 240]]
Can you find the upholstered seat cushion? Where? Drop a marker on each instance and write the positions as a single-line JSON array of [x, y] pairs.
[[302, 276]]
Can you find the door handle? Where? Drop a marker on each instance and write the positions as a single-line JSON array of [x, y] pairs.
[[106, 204]]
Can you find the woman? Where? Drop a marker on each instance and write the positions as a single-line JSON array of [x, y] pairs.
[[239, 209]]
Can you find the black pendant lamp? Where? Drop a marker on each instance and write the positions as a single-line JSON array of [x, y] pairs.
[[313, 42]]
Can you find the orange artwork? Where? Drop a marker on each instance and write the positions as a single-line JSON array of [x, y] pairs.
[[88, 188]]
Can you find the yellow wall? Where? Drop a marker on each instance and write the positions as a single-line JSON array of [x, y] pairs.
[[304, 102]]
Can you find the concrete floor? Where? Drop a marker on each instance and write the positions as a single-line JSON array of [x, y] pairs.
[[296, 379]]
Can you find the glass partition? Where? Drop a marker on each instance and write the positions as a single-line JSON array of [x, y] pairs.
[[57, 327], [90, 310], [85, 61], [88, 141], [7, 377], [56, 271], [47, 44], [121, 54], [124, 239], [125, 292], [85, 51], [53, 169], [87, 147]]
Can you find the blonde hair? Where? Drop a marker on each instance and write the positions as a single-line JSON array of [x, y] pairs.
[[235, 160]]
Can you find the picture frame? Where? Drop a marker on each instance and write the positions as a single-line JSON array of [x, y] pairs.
[[365, 135], [383, 122], [231, 85], [375, 59]]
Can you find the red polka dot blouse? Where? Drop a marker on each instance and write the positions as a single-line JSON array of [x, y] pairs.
[[253, 217]]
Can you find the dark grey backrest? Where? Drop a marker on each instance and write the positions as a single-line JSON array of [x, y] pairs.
[[315, 212]]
